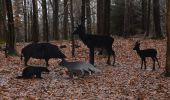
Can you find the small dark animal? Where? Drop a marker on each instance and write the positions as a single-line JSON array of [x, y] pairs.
[[146, 53], [30, 72], [41, 51], [96, 41], [83, 67]]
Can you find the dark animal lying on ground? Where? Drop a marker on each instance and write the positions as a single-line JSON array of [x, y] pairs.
[[146, 53], [96, 41], [83, 67], [41, 51], [31, 71]]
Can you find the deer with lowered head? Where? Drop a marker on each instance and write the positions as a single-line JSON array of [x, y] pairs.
[[143, 54]]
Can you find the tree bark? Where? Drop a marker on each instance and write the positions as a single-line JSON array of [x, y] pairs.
[[65, 22], [55, 19], [107, 17], [148, 19], [83, 12], [144, 15], [100, 17], [25, 21], [88, 15], [35, 26], [167, 67], [45, 21], [126, 18], [11, 31], [157, 21], [72, 28]]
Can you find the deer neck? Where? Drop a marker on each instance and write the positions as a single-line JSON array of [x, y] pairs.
[[138, 51]]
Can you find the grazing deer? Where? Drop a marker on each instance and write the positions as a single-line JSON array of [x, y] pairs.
[[146, 53]]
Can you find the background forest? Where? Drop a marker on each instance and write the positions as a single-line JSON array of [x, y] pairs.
[[56, 19]]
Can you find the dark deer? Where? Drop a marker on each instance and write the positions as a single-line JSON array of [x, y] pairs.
[[146, 53], [96, 41]]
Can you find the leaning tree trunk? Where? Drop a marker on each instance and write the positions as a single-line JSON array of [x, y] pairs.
[[45, 21], [11, 31], [167, 67], [35, 28], [157, 21], [55, 19]]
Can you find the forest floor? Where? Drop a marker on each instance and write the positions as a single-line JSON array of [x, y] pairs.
[[124, 81]]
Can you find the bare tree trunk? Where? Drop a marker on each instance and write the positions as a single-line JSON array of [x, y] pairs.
[[167, 67], [25, 21], [1, 21], [157, 21], [35, 28], [144, 15], [148, 18], [107, 17], [83, 12], [72, 27], [88, 15], [11, 31], [45, 21], [65, 22], [55, 19], [126, 18], [100, 17]]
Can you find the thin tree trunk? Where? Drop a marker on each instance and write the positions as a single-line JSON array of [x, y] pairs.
[[100, 17], [45, 21], [88, 15], [55, 19], [167, 67], [11, 31], [107, 17], [157, 21], [72, 27], [25, 21], [1, 21], [83, 12], [126, 18], [144, 15], [148, 19], [35, 28], [65, 22]]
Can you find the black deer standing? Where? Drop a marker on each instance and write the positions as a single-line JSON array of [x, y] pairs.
[[96, 41], [146, 53]]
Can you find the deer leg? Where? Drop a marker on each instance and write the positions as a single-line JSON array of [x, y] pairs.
[[109, 51], [141, 63], [153, 63], [145, 63], [26, 60], [92, 56], [157, 61], [46, 60], [114, 57]]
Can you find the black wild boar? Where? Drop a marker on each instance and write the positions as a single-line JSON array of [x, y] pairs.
[[31, 71], [41, 51]]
